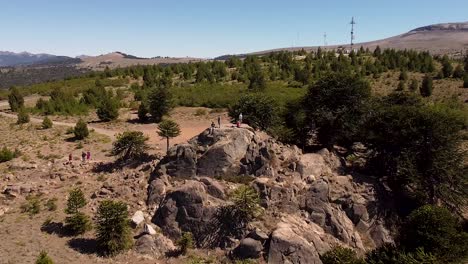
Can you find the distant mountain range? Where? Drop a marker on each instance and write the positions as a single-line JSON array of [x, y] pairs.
[[448, 38], [11, 59]]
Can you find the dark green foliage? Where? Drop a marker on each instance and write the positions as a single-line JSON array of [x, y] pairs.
[[143, 111], [43, 258], [130, 145], [465, 80], [15, 99], [447, 68], [6, 154], [389, 254], [459, 72], [112, 229], [437, 231], [23, 117], [426, 87], [296, 120], [47, 123], [81, 129], [78, 223], [75, 201], [336, 105], [231, 220], [62, 102], [159, 102], [108, 109], [258, 110], [168, 129], [417, 148], [185, 242], [93, 96], [341, 255], [465, 63]]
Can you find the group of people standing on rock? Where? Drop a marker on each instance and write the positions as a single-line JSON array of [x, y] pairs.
[[85, 156], [213, 126]]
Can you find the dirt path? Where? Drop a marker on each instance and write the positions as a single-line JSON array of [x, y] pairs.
[[102, 131], [190, 125]]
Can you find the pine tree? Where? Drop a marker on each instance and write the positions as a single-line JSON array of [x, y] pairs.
[[465, 81], [168, 129], [459, 72], [15, 99], [426, 87]]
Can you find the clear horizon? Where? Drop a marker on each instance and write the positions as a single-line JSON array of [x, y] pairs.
[[209, 28]]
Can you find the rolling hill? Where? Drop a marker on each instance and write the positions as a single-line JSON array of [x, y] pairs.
[[447, 38]]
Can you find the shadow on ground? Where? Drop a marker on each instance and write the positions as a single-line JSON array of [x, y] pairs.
[[83, 245]]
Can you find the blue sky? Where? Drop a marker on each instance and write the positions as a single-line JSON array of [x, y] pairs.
[[207, 28]]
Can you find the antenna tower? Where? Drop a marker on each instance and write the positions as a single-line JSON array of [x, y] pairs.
[[325, 39], [352, 31]]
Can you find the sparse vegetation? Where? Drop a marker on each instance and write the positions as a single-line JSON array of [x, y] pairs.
[[51, 204], [185, 242], [32, 206], [43, 258]]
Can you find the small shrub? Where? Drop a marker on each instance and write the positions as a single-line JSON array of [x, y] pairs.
[[51, 204], [79, 145], [108, 109], [32, 206], [185, 242], [426, 87], [341, 255], [47, 222], [43, 258], [6, 154], [81, 130], [200, 112], [46, 123], [23, 117], [70, 130]]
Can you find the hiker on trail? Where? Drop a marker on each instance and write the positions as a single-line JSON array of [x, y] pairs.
[[238, 123], [240, 118], [83, 156], [219, 121], [212, 128], [88, 155]]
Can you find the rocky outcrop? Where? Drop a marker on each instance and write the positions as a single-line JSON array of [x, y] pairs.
[[312, 204], [227, 152], [157, 246]]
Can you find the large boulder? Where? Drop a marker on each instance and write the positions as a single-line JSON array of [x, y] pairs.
[[248, 249], [157, 246], [298, 242], [186, 208]]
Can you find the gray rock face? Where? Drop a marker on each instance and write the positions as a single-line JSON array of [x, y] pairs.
[[156, 246], [319, 206], [295, 241], [248, 248], [186, 208]]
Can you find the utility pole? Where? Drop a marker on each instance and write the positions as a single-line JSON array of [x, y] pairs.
[[352, 32], [325, 39]]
